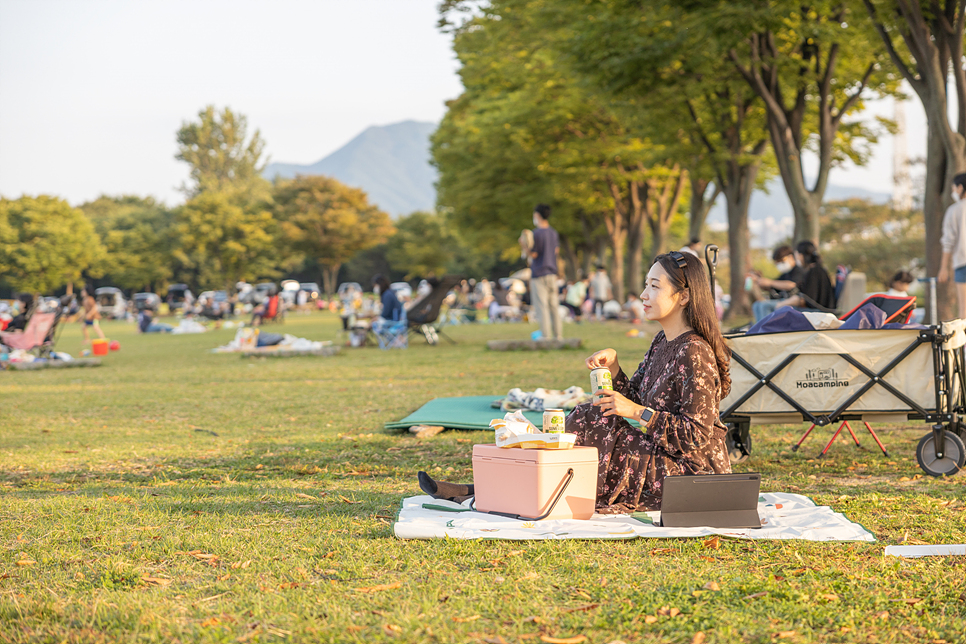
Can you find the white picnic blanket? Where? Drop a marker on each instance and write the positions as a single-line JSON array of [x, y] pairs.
[[783, 516]]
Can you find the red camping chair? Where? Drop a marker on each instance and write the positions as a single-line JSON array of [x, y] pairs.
[[898, 308], [33, 336]]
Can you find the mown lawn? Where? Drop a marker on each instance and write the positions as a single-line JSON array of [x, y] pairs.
[[177, 495]]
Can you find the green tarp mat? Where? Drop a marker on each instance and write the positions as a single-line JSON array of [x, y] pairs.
[[466, 412]]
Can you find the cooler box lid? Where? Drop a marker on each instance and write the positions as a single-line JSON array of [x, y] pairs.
[[536, 456]]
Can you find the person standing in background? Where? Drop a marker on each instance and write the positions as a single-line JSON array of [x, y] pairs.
[[953, 242], [600, 290], [545, 298]]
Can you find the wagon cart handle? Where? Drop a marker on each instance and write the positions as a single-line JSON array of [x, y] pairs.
[[711, 259]]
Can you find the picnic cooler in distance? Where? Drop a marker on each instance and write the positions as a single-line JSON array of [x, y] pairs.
[[526, 481]]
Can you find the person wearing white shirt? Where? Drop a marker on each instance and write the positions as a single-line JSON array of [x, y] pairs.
[[954, 243]]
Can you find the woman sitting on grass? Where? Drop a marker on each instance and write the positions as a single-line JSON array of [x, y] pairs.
[[674, 395]]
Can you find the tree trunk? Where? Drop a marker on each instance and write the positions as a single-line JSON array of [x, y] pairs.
[[740, 185], [330, 274], [933, 211], [700, 205], [638, 215], [569, 258]]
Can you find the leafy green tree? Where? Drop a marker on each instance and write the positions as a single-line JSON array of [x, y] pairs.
[[686, 97], [525, 130], [45, 244], [222, 157], [216, 242], [424, 244], [135, 233], [329, 222], [925, 42], [812, 64], [873, 238]]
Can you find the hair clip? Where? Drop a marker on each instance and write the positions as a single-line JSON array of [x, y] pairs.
[[678, 257]]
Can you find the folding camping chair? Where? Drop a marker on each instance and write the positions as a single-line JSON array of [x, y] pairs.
[[898, 308], [36, 335], [392, 334], [425, 312]]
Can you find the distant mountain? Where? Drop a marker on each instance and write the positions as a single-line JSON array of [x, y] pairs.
[[391, 163]]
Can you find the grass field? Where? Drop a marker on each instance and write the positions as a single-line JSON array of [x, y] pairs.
[[175, 495]]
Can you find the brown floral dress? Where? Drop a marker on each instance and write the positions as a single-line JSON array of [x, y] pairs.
[[679, 380]]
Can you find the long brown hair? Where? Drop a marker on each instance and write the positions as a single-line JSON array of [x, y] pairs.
[[699, 313]]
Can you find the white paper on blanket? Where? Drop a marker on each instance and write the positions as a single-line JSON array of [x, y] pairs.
[[784, 516], [540, 399]]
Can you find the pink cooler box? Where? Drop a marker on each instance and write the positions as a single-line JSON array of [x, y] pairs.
[[525, 481]]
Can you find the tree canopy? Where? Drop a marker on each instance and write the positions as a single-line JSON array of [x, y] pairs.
[[45, 244], [328, 222]]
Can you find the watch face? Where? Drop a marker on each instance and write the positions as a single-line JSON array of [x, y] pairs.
[[646, 415]]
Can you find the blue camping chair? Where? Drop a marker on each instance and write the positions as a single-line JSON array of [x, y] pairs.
[[392, 334]]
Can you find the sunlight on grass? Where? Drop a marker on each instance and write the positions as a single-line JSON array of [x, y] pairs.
[[174, 494]]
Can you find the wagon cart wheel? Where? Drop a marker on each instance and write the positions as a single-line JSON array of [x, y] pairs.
[[738, 440], [954, 455]]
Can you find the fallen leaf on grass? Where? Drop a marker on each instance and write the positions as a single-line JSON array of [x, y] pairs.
[[158, 581], [576, 639], [912, 601], [783, 634], [211, 621], [288, 585], [530, 575], [535, 620], [712, 585], [225, 577], [882, 615], [755, 595], [241, 564], [305, 496], [668, 611], [202, 556], [797, 571], [25, 561], [345, 500], [580, 608], [712, 544], [832, 597], [661, 551], [464, 620], [706, 558], [496, 639], [650, 619], [392, 630], [376, 589], [698, 638]]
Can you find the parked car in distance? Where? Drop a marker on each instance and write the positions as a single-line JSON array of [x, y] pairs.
[[290, 289], [346, 289], [312, 289], [177, 294], [147, 302], [264, 291], [111, 302], [209, 297]]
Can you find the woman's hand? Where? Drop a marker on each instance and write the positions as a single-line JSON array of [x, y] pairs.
[[612, 403], [604, 358]]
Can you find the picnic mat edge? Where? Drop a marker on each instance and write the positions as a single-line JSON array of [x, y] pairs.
[[788, 517]]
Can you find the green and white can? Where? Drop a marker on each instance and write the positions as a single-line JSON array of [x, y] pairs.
[[553, 421], [600, 378]]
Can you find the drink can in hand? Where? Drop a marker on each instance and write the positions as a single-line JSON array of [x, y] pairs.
[[600, 378], [553, 421]]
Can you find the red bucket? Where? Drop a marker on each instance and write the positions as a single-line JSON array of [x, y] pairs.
[[100, 347]]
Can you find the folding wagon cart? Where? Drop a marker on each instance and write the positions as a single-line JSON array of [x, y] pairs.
[[838, 376]]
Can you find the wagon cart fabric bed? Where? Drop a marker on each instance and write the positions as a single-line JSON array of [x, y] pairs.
[[868, 375]]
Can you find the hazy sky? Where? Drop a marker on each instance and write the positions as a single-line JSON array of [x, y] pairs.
[[93, 91]]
